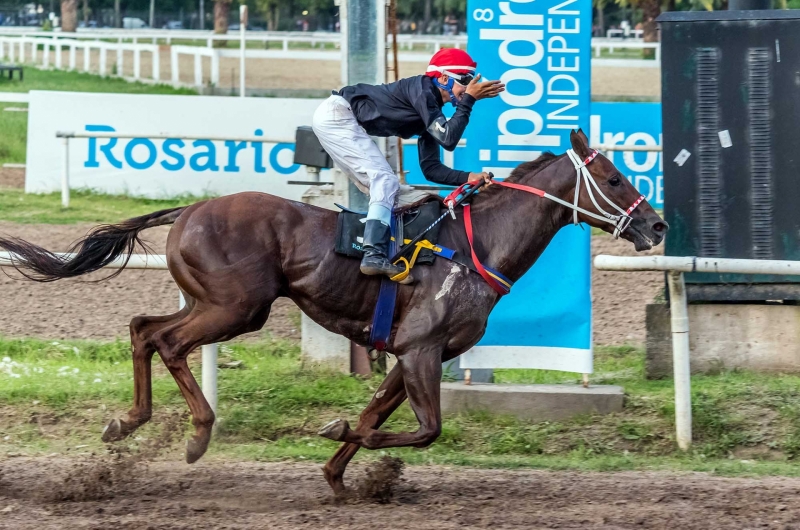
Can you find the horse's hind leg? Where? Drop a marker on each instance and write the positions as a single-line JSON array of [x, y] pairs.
[[387, 398], [422, 374], [142, 329], [203, 325]]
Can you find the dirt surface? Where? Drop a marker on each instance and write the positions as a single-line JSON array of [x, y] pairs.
[[324, 75], [173, 495], [89, 310], [12, 177]]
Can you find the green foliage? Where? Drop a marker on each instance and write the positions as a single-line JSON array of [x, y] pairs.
[[85, 207]]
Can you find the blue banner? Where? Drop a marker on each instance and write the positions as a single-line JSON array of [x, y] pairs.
[[632, 124], [611, 124], [542, 51]]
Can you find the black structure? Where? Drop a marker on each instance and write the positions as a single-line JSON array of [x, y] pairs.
[[308, 151], [731, 99]]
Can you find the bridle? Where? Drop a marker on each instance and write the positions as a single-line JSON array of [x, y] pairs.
[[621, 222]]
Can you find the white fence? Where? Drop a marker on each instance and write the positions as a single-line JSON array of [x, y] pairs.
[[157, 262], [676, 266], [25, 47]]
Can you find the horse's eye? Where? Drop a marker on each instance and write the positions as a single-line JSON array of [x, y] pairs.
[[614, 181]]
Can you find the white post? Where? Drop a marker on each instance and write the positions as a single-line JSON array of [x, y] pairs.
[[34, 50], [286, 45], [680, 359], [215, 67], [137, 63], [242, 49], [22, 50], [11, 51], [173, 65], [658, 52], [58, 55], [72, 56], [120, 60], [156, 64], [209, 378], [46, 54], [87, 55], [65, 176], [198, 70], [103, 57]]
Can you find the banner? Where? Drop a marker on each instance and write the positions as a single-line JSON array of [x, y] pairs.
[[611, 124], [542, 51], [632, 124], [165, 167]]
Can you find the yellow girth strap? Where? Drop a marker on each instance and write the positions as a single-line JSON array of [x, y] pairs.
[[410, 264]]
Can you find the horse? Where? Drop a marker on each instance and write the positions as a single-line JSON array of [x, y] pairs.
[[233, 256]]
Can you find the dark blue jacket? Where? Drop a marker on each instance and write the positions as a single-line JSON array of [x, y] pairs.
[[413, 107]]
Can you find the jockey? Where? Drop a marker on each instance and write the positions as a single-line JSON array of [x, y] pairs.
[[408, 107]]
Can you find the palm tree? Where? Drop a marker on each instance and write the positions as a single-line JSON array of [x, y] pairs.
[[69, 15], [222, 9]]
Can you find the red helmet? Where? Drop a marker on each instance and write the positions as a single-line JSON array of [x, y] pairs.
[[455, 63]]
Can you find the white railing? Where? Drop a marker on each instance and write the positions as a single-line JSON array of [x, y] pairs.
[[611, 45], [155, 262], [26, 49], [676, 266], [315, 39]]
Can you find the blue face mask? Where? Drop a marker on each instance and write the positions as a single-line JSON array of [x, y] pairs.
[[448, 87]]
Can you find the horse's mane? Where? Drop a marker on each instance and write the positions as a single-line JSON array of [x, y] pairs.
[[533, 166]]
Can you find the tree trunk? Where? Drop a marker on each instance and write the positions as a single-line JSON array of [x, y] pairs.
[[650, 11], [222, 9], [86, 13], [117, 20], [69, 16], [601, 21], [427, 16]]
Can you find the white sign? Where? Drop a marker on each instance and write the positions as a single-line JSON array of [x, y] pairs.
[[160, 168]]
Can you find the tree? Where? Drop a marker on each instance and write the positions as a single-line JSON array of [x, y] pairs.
[[69, 15], [222, 10], [600, 6]]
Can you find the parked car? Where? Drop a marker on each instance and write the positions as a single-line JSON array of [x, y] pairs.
[[134, 23], [173, 24], [235, 27]]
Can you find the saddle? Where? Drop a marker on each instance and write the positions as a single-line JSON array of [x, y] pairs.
[[407, 224]]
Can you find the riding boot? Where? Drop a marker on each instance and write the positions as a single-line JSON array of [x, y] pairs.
[[376, 248]]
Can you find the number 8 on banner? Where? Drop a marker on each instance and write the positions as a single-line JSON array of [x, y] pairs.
[[483, 15]]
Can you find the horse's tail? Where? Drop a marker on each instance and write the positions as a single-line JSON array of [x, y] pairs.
[[102, 245]]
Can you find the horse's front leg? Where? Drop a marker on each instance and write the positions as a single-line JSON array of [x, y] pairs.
[[422, 374]]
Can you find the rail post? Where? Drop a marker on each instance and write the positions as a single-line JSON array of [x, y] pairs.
[[679, 316]]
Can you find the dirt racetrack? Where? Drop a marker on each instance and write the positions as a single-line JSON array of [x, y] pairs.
[[173, 495]]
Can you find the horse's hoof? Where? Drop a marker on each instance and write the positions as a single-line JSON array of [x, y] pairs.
[[334, 481], [195, 449], [335, 430], [113, 431]]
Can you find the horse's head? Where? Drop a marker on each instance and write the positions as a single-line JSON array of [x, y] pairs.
[[608, 192]]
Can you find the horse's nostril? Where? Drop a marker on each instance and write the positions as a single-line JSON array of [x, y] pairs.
[[659, 227]]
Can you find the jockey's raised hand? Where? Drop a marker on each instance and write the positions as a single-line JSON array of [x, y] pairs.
[[486, 89]]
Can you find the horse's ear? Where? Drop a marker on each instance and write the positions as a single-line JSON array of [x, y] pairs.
[[580, 143]]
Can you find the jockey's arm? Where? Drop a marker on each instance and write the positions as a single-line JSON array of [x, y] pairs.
[[445, 132], [431, 164]]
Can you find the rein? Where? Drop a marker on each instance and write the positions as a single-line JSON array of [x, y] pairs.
[[620, 222]]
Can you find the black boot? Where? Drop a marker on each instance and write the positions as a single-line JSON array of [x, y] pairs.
[[376, 248]]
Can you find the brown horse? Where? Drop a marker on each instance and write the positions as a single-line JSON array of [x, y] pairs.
[[234, 255]]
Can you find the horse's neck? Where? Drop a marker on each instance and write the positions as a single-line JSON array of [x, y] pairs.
[[514, 227]]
